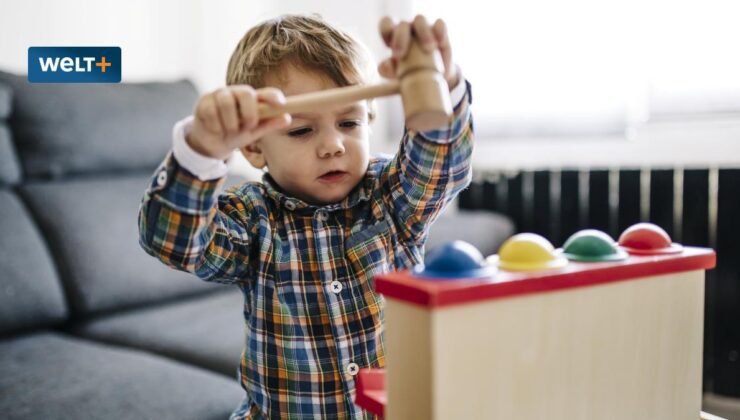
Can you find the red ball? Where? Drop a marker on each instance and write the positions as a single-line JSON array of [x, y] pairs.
[[647, 239]]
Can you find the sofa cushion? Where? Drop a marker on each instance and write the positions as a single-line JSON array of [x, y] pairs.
[[52, 376], [91, 227], [10, 170], [6, 99], [30, 292], [486, 230], [64, 129], [207, 331]]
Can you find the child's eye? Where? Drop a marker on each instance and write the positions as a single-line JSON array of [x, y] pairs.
[[350, 124], [299, 132]]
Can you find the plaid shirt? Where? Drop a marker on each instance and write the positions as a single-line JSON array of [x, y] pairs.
[[312, 315]]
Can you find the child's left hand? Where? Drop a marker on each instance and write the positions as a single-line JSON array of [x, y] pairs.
[[430, 37]]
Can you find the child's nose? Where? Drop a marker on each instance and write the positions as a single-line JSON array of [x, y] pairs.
[[331, 144]]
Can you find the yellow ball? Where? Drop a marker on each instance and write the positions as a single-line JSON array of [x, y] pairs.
[[528, 252]]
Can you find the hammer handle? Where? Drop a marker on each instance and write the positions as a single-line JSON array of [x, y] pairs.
[[329, 98]]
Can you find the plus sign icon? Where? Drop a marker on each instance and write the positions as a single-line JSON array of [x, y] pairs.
[[74, 64]]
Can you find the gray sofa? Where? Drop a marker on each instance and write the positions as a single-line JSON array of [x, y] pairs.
[[90, 325]]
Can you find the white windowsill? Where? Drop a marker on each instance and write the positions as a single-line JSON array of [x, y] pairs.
[[698, 143]]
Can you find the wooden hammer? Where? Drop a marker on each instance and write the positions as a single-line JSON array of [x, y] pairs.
[[423, 89]]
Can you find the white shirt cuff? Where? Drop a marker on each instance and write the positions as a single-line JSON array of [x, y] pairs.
[[204, 167], [458, 92]]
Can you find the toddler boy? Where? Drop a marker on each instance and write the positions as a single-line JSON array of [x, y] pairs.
[[305, 244]]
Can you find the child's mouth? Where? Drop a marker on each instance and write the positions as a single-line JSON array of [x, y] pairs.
[[333, 176]]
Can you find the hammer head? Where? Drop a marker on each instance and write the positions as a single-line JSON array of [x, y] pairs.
[[424, 91]]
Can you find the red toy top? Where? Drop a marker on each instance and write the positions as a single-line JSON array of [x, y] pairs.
[[443, 292]]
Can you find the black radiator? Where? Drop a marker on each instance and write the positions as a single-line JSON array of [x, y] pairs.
[[699, 207]]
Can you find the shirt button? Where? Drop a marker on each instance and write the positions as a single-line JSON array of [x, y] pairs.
[[336, 287], [322, 215], [353, 368], [290, 205], [162, 178]]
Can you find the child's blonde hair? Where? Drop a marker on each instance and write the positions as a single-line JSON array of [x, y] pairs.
[[307, 42]]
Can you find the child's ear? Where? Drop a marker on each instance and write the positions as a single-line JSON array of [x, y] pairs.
[[254, 155]]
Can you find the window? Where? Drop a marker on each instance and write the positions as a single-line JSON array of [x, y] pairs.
[[580, 68]]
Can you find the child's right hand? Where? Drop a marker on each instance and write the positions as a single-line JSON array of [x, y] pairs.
[[227, 119]]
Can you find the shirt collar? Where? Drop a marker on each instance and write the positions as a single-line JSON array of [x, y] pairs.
[[361, 192]]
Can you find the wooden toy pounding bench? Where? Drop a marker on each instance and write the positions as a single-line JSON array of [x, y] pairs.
[[616, 339]]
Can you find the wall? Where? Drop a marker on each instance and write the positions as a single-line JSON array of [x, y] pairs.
[[170, 39], [164, 39]]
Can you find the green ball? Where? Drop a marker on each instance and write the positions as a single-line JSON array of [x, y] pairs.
[[592, 245]]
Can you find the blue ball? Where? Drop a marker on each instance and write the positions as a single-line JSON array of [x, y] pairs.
[[457, 259]]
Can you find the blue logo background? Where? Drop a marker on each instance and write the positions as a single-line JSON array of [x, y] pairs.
[[79, 67]]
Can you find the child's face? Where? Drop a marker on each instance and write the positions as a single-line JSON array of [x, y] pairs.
[[322, 154]]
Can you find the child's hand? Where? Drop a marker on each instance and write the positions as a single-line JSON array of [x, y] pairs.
[[430, 37], [226, 119]]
